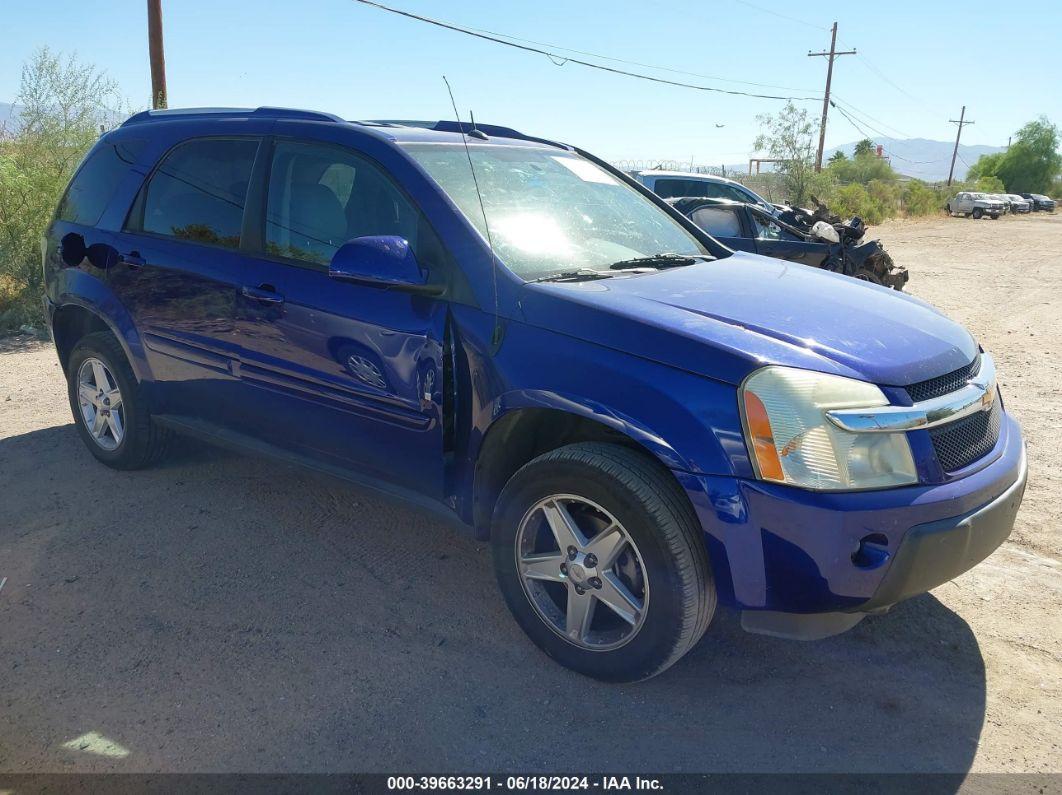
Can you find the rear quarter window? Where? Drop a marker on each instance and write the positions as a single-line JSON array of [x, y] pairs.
[[96, 181]]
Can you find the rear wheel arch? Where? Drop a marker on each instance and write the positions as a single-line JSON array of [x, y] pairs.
[[522, 434], [74, 321]]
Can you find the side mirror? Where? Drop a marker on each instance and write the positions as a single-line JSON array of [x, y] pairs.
[[384, 261]]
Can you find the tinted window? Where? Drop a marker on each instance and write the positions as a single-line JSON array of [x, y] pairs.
[[321, 196], [198, 192], [674, 187], [96, 180], [718, 221]]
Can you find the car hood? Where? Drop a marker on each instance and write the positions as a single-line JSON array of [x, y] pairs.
[[727, 317]]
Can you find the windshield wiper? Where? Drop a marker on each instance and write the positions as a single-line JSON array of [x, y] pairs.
[[572, 276], [665, 260]]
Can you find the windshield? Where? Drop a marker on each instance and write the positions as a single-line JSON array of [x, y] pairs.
[[551, 211]]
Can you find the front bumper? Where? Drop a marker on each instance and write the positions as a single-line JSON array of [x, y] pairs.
[[810, 564]]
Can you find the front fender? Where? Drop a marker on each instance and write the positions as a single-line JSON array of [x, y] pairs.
[[595, 411], [688, 422]]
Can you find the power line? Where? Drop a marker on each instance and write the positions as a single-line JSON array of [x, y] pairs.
[[638, 63], [892, 143], [856, 111], [865, 134], [561, 60], [781, 16]]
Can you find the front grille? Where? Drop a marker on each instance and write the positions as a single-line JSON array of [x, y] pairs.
[[944, 384], [960, 443]]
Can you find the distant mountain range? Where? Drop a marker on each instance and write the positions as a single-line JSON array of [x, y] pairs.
[[8, 113], [924, 159]]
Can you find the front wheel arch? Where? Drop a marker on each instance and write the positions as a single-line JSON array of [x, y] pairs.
[[522, 434]]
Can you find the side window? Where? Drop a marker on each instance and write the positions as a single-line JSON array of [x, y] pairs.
[[669, 188], [199, 190], [321, 196], [96, 180], [739, 195], [718, 221], [767, 230]]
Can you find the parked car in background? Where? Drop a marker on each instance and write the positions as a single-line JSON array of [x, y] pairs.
[[835, 247], [976, 204], [677, 184], [1004, 199], [1019, 204], [641, 421], [1040, 202]]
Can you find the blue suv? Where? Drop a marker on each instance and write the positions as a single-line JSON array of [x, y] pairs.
[[519, 337]]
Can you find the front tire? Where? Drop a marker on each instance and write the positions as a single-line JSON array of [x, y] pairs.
[[977, 213], [602, 561], [110, 411]]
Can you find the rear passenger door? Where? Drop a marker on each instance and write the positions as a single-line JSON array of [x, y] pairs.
[[348, 374], [178, 269]]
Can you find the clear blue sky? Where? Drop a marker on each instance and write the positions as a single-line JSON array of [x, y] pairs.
[[1000, 59]]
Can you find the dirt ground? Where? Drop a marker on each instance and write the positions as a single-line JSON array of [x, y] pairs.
[[221, 613]]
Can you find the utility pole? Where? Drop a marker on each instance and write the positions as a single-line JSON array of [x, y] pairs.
[[156, 55], [832, 54], [954, 153]]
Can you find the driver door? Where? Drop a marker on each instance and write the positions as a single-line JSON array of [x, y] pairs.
[[774, 241], [345, 373]]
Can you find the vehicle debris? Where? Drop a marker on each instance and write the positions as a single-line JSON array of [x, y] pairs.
[[815, 237]]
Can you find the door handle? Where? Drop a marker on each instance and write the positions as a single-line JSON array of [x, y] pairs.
[[265, 294], [133, 260]]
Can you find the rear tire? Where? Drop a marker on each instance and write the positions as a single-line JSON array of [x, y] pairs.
[[662, 569], [977, 213], [110, 411]]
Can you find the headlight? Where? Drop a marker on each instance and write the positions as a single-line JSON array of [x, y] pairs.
[[784, 413]]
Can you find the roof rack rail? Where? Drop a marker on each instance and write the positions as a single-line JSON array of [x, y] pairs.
[[444, 125], [213, 113]]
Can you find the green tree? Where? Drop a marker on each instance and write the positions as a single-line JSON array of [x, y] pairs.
[[862, 169], [789, 136], [837, 157], [1033, 161], [985, 166], [1030, 165], [61, 105], [864, 148]]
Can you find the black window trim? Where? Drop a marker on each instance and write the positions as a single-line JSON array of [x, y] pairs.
[[136, 210]]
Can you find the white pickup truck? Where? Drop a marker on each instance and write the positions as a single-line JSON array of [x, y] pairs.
[[978, 205]]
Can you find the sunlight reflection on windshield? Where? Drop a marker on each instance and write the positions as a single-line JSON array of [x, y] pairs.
[[534, 233]]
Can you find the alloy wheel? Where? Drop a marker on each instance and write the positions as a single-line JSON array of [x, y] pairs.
[[101, 406], [582, 572]]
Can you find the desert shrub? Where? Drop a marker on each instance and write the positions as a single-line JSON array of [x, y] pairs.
[[62, 104], [849, 200], [919, 199]]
